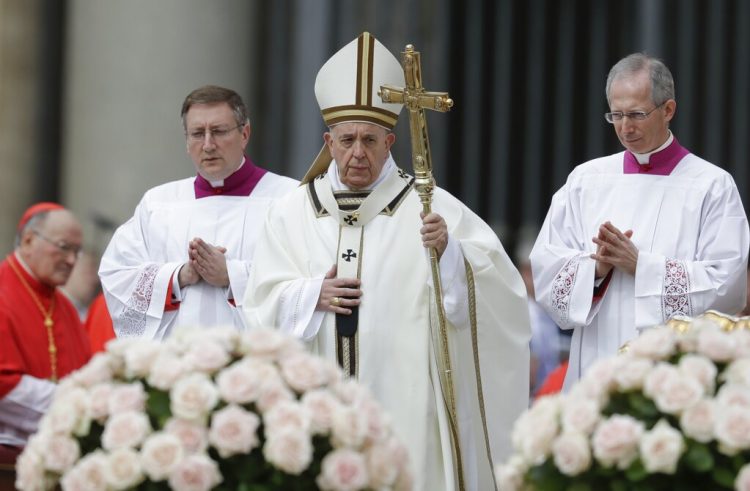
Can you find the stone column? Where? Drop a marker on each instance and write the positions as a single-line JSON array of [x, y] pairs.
[[19, 87], [129, 65]]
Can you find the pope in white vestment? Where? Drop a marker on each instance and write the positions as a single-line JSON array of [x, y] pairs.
[[372, 233], [682, 215], [202, 228]]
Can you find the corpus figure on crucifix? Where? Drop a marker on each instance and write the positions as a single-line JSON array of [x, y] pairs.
[[343, 263]]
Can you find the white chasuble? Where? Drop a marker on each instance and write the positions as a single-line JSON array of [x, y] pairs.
[[144, 253], [692, 236], [394, 357]]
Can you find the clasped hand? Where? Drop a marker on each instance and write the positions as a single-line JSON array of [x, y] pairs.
[[339, 295], [207, 262], [434, 232], [614, 249]]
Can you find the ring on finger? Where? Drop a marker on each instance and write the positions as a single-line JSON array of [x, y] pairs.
[[336, 301]]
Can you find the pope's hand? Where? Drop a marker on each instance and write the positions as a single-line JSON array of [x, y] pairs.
[[338, 294], [614, 249], [434, 232], [209, 261]]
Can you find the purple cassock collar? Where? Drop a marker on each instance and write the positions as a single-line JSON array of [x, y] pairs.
[[661, 163], [241, 183]]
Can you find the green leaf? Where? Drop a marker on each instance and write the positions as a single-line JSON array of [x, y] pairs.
[[636, 472], [699, 457], [642, 405], [723, 476], [158, 406], [579, 486], [615, 485]]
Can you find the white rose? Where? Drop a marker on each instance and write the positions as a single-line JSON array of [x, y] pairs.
[[700, 368], [716, 345], [678, 393], [140, 357], [378, 423], [571, 453], [657, 343], [125, 430], [741, 339], [268, 344], [272, 393], [193, 396], [687, 342], [166, 369], [290, 450], [661, 448], [303, 372], [70, 413], [160, 454], [732, 429], [208, 356], [61, 453], [731, 394], [30, 471], [127, 397], [349, 391], [580, 415], [536, 429], [698, 421], [123, 469], [99, 397], [509, 475], [97, 370], [88, 474], [615, 440], [320, 405], [343, 469], [382, 466], [195, 473], [633, 372], [742, 482], [233, 431], [349, 427], [658, 377], [286, 415], [738, 372], [588, 388], [193, 435], [602, 372], [242, 382]]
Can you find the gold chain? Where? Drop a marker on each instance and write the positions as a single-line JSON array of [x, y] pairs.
[[48, 322]]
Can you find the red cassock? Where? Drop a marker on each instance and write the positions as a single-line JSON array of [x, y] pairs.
[[99, 324], [24, 345]]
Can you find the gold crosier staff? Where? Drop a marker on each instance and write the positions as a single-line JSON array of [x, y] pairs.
[[416, 100]]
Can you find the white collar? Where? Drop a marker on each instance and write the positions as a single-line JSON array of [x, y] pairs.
[[643, 158]]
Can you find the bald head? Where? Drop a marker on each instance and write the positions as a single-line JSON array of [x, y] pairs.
[[49, 244]]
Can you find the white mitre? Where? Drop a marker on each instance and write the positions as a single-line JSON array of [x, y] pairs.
[[347, 90]]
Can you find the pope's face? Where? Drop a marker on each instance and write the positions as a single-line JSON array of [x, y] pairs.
[[50, 248], [628, 94], [360, 150], [215, 141]]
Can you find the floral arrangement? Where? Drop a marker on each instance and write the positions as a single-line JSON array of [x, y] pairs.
[[212, 409], [671, 411]]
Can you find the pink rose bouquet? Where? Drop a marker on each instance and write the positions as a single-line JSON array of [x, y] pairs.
[[671, 411], [212, 409]]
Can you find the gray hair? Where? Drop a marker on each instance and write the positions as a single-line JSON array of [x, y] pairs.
[[662, 83], [32, 224], [213, 94]]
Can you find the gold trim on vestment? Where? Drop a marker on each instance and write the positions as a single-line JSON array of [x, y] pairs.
[[477, 370]]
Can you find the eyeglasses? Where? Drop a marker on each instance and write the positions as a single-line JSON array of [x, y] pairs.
[[199, 135], [617, 116], [61, 245]]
